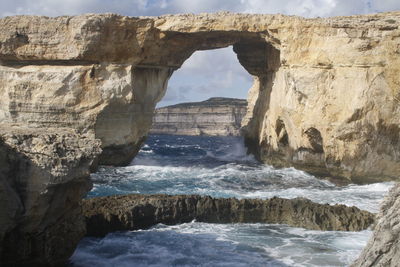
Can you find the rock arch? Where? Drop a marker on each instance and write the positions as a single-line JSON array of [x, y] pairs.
[[122, 125], [104, 74], [99, 76]]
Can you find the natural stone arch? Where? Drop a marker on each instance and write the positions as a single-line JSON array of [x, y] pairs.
[[123, 127], [106, 69], [71, 72]]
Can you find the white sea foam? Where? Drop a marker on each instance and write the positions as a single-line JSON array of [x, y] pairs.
[[222, 169], [149, 151], [366, 197], [201, 244], [236, 180]]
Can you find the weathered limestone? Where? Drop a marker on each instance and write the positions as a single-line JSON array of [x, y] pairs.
[[383, 249], [215, 116], [107, 100], [44, 173], [325, 97], [133, 212]]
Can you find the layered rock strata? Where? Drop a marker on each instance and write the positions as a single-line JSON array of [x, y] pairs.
[[133, 212], [383, 249], [44, 173], [215, 116], [325, 97]]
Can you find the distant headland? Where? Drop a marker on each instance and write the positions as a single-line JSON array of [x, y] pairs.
[[215, 116]]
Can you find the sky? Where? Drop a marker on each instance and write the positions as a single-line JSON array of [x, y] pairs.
[[206, 73]]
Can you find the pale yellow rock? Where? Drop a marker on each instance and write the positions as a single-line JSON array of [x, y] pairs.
[[217, 116], [325, 98]]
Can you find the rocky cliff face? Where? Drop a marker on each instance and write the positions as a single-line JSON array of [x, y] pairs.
[[383, 248], [215, 116], [44, 174], [325, 99], [325, 96], [133, 212]]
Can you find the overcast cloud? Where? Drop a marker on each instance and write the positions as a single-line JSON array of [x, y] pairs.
[[205, 74], [307, 8]]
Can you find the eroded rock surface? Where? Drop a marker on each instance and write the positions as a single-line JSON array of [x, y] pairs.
[[133, 212], [325, 97], [216, 116], [383, 249], [43, 176]]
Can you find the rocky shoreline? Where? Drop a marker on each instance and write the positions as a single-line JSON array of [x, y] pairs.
[[324, 99], [133, 212]]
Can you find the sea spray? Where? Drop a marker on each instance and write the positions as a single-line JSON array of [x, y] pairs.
[[220, 167]]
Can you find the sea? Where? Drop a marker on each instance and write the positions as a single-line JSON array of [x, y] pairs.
[[220, 167]]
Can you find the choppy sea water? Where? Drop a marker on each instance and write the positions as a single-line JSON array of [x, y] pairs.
[[219, 166]]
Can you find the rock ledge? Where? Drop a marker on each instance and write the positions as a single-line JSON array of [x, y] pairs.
[[133, 212]]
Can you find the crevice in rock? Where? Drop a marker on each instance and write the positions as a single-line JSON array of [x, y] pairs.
[[280, 129], [315, 139]]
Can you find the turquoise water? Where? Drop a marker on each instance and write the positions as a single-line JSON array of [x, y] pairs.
[[219, 166]]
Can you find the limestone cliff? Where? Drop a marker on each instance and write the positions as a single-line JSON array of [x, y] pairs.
[[133, 212], [325, 97], [44, 173], [383, 249], [215, 116]]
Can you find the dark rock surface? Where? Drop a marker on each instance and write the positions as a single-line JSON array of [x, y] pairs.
[[132, 212], [44, 173], [383, 248]]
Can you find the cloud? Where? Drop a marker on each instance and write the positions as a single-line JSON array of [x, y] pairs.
[[198, 6], [174, 94], [74, 7], [219, 67], [319, 8], [213, 63], [385, 5], [207, 74], [307, 8]]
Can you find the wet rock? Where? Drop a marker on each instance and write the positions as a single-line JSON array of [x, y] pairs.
[[133, 212]]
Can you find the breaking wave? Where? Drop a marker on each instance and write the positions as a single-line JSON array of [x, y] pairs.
[[220, 167]]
